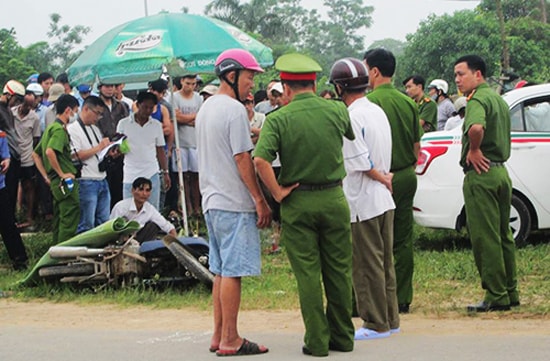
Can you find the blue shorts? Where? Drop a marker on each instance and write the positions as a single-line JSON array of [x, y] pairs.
[[234, 243]]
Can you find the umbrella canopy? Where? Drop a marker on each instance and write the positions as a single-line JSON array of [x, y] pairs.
[[140, 50]]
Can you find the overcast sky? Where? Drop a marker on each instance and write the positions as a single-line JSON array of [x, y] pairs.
[[30, 18]]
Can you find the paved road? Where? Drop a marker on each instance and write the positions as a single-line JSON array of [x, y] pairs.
[[28, 342]]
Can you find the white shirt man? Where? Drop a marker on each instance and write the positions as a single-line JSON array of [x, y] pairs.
[[140, 210], [87, 142], [146, 143]]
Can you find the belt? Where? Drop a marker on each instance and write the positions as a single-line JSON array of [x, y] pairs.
[[92, 179], [318, 187], [491, 165]]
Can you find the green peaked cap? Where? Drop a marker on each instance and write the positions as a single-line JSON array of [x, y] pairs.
[[297, 63]]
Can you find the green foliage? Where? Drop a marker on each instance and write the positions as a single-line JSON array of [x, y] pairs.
[[18, 63], [286, 26], [440, 40], [37, 56], [397, 47], [529, 49], [514, 9], [274, 20], [11, 64], [63, 40], [445, 280], [338, 37]]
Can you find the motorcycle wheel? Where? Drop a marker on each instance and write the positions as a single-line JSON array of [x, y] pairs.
[[186, 259], [79, 269]]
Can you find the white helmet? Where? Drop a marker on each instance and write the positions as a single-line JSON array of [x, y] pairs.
[[35, 88], [13, 87], [460, 103], [439, 84]]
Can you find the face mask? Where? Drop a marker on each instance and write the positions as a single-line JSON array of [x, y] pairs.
[[434, 97], [73, 118]]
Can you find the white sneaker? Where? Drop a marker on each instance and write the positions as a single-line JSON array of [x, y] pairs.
[[368, 334], [395, 330]]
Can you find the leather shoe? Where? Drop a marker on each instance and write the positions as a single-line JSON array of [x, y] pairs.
[[403, 307], [334, 347], [486, 307], [514, 304], [307, 351]]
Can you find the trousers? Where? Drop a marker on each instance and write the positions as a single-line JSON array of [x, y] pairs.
[[316, 233], [66, 211], [10, 233], [488, 197], [404, 189], [374, 273]]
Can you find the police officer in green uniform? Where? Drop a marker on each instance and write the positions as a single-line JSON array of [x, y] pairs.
[[52, 157], [402, 114], [427, 108], [308, 135], [487, 187]]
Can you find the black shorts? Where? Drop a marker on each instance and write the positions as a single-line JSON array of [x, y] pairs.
[[28, 173]]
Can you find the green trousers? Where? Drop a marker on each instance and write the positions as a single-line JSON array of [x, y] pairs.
[[487, 197], [66, 211], [404, 187], [316, 234]]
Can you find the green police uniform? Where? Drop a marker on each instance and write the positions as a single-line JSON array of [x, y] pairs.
[[308, 135], [402, 113], [66, 212], [427, 110], [487, 197]]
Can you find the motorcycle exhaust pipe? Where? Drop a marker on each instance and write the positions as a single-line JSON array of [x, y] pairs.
[[73, 252]]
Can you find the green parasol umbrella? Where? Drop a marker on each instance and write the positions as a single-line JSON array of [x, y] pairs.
[[140, 50]]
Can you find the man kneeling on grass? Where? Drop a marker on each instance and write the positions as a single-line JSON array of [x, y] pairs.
[[140, 210]]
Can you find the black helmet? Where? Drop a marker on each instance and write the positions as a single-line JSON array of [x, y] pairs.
[[349, 73]]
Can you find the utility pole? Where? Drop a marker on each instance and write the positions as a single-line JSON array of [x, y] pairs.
[[503, 39], [145, 5], [544, 17]]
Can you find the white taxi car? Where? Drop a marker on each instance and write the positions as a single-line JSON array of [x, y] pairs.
[[439, 202]]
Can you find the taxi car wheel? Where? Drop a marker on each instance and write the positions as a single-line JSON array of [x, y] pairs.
[[520, 220]]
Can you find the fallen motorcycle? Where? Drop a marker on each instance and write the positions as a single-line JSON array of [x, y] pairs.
[[109, 255]]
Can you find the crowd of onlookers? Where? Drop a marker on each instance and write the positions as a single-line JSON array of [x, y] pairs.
[[342, 173], [70, 154], [109, 142], [106, 119]]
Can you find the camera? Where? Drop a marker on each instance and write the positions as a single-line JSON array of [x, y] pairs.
[[78, 166], [106, 164]]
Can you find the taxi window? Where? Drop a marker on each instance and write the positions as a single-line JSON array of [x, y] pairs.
[[536, 113], [516, 115]]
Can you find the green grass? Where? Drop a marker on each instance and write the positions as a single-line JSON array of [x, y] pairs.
[[445, 280]]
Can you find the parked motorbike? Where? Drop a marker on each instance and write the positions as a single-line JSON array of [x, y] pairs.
[[109, 255]]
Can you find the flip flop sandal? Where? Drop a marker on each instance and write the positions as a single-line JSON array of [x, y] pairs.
[[247, 348]]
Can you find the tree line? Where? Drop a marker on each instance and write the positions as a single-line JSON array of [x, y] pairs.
[[285, 25]]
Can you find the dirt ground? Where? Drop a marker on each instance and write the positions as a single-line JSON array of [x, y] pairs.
[[70, 316]]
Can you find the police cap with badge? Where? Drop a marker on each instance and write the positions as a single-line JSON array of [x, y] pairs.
[[297, 67]]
